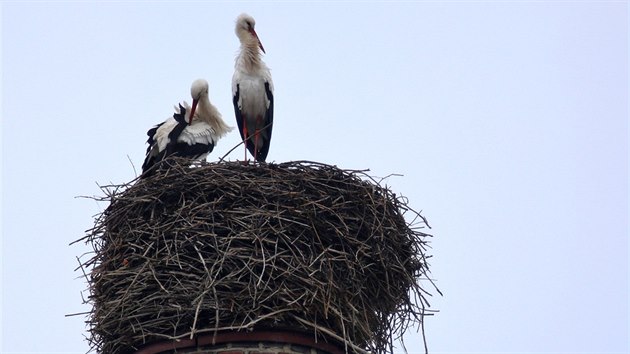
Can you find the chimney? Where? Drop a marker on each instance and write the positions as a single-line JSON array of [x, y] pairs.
[[261, 342]]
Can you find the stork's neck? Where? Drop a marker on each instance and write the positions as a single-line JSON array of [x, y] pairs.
[[249, 57], [210, 114], [205, 109]]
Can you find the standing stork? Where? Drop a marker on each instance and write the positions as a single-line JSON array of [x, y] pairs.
[[192, 132], [252, 91]]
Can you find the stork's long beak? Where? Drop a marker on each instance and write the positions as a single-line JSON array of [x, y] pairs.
[[192, 111], [258, 39]]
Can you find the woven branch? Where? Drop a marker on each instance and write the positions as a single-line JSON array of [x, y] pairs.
[[226, 246]]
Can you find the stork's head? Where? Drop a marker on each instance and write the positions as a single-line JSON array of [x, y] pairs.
[[245, 31], [198, 91]]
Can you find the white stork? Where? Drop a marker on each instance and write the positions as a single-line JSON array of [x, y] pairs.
[[191, 132], [252, 91]]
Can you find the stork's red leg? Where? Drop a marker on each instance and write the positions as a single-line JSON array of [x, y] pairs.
[[256, 145], [245, 138], [256, 137]]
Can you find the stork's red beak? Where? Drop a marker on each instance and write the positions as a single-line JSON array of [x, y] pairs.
[[258, 39], [192, 111]]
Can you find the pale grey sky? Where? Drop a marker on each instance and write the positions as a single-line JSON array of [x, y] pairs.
[[508, 121]]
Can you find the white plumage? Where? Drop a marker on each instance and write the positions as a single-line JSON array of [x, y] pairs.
[[252, 91], [180, 135]]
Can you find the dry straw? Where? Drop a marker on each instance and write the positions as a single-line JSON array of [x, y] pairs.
[[298, 245]]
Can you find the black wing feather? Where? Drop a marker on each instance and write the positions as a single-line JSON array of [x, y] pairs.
[[264, 150], [240, 121], [237, 111], [171, 147]]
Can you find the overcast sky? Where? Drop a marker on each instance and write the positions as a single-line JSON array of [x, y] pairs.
[[508, 121]]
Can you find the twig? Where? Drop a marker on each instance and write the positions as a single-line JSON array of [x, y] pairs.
[[300, 245]]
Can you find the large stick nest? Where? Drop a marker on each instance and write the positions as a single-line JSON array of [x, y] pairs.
[[226, 246]]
